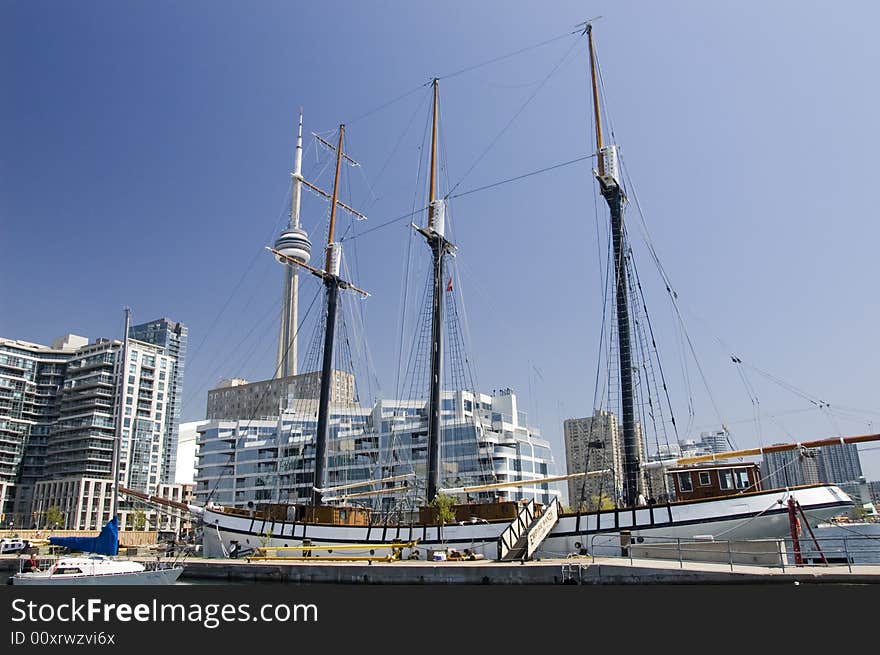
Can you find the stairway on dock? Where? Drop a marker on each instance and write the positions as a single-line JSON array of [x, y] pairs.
[[527, 531]]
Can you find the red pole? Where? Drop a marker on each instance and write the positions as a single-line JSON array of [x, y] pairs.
[[793, 524], [812, 534]]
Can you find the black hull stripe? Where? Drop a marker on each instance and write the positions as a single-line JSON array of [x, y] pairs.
[[729, 517], [554, 534]]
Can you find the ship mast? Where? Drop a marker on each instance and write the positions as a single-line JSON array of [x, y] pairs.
[[117, 441], [434, 234], [609, 182], [333, 283]]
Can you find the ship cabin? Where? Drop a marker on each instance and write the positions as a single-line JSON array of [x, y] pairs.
[[696, 482]]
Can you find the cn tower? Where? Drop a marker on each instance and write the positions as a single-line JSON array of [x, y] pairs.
[[294, 243]]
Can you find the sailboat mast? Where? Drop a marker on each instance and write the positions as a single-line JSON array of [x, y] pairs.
[[331, 281], [439, 247], [609, 183], [117, 441]]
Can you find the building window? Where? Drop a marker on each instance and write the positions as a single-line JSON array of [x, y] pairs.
[[705, 480], [684, 482]]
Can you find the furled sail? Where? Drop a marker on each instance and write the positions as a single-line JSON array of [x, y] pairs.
[[106, 543]]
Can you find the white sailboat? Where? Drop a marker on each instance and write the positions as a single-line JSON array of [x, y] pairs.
[[518, 530]]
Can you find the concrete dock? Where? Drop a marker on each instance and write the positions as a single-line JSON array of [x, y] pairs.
[[574, 570]]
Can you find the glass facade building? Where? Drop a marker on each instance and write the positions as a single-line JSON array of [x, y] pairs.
[[484, 439], [172, 337]]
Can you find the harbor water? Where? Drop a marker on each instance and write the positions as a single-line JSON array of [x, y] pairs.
[[858, 543]]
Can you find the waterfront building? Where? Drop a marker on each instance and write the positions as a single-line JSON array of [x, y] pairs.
[[838, 464], [186, 451], [714, 442], [84, 503], [594, 443], [170, 519], [58, 408], [874, 492], [484, 439], [31, 376], [790, 468], [172, 337], [235, 398], [73, 503]]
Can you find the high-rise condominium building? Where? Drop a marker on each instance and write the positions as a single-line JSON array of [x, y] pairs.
[[172, 336]]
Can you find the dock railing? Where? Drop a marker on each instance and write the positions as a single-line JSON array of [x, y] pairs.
[[773, 553]]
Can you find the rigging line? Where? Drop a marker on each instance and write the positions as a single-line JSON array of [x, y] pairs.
[[753, 397], [789, 387], [515, 116], [273, 309], [605, 305], [470, 191], [858, 410], [359, 320], [511, 54], [466, 331], [674, 295], [231, 458], [229, 299], [520, 177], [671, 292], [389, 103], [458, 72], [405, 282], [397, 145], [403, 305], [656, 354], [386, 224]]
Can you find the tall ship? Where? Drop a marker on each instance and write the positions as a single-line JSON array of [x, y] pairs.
[[714, 496]]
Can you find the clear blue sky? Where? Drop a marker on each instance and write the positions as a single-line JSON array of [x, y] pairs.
[[146, 148]]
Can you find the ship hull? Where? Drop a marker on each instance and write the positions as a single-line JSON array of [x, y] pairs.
[[759, 515]]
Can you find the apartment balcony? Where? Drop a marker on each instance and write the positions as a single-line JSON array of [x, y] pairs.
[[89, 364], [90, 382]]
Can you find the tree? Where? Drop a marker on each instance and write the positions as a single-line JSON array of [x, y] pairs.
[[54, 517], [443, 505], [598, 502], [139, 519]]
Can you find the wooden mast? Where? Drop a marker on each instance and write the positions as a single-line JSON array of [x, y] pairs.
[[434, 234], [432, 175], [331, 282], [611, 191], [597, 114]]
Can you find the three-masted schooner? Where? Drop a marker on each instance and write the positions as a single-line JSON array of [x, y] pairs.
[[522, 529]]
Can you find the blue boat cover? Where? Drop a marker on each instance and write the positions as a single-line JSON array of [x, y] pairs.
[[106, 543]]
